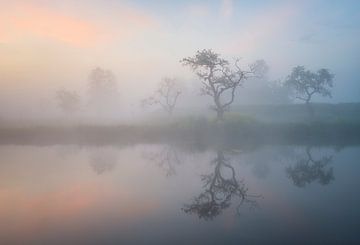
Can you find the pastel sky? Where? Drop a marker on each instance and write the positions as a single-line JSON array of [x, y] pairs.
[[47, 44]]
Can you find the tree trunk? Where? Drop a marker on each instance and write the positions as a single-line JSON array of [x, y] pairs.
[[220, 115]]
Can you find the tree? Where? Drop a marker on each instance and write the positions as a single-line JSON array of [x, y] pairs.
[[219, 79], [166, 95], [68, 101], [102, 89], [305, 83]]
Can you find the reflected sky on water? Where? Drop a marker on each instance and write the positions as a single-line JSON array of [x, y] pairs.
[[152, 194]]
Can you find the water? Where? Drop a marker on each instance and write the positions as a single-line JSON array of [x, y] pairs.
[[171, 194]]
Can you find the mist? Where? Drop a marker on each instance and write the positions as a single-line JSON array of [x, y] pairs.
[[179, 122], [142, 43]]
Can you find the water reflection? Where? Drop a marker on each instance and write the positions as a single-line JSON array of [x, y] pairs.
[[103, 160], [220, 188], [167, 157], [308, 170], [135, 198]]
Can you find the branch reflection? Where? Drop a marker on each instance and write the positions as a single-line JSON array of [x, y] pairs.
[[166, 158], [220, 188], [308, 170]]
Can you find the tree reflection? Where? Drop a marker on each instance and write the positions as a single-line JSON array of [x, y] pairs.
[[308, 170], [103, 161], [167, 158], [220, 188]]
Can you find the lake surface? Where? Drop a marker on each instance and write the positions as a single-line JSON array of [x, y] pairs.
[[169, 194]]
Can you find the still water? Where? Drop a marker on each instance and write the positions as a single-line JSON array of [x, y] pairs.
[[167, 194]]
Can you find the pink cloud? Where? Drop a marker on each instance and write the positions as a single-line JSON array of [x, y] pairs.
[[21, 21]]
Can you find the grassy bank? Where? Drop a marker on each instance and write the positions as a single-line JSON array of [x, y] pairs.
[[241, 130], [323, 112]]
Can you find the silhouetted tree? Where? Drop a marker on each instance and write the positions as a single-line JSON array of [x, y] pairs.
[[308, 170], [103, 91], [166, 95], [305, 83], [220, 189], [219, 79], [68, 101]]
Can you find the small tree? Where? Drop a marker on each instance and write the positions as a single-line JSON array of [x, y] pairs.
[[305, 83], [101, 81], [103, 92], [166, 95], [219, 79], [68, 101]]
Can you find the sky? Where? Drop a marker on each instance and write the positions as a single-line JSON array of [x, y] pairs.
[[46, 45]]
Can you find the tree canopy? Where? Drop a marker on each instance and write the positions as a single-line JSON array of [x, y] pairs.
[[305, 83], [219, 78]]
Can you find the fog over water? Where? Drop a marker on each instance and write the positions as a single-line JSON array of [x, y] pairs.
[[48, 45], [179, 122]]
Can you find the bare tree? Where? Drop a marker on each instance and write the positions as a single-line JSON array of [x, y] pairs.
[[305, 83], [219, 79], [166, 95], [68, 101]]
